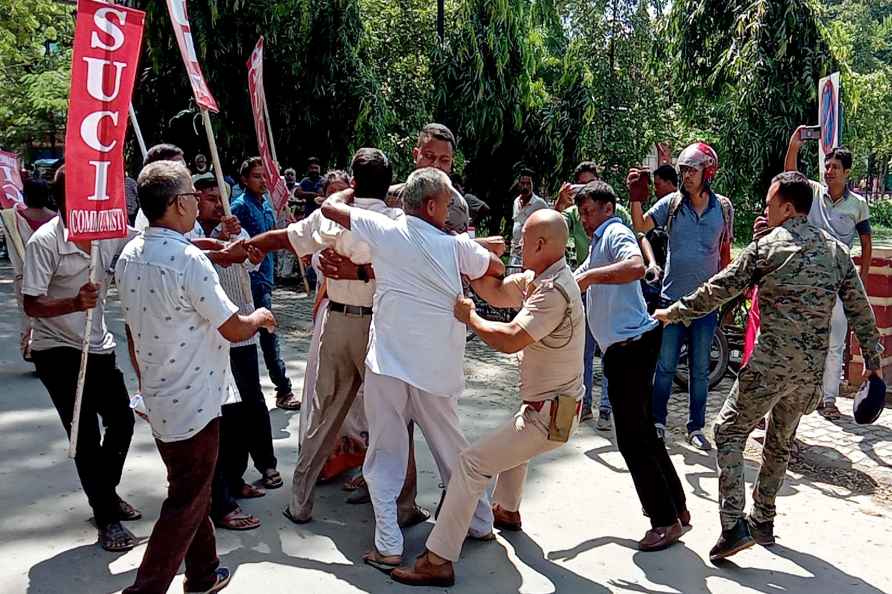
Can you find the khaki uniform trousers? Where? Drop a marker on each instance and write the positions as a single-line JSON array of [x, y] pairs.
[[504, 454], [342, 352]]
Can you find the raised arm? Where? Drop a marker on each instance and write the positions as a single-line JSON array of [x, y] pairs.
[[792, 157], [498, 292], [337, 207], [271, 241]]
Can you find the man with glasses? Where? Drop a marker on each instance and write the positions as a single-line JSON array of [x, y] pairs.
[[698, 222], [182, 325]]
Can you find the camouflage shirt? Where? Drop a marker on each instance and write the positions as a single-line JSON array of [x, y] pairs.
[[800, 271]]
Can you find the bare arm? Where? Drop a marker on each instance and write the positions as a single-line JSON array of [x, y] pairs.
[[271, 241], [647, 250], [866, 254], [337, 207], [497, 292], [619, 273], [131, 350], [505, 338], [238, 327], [42, 306], [640, 222], [792, 157], [496, 268]]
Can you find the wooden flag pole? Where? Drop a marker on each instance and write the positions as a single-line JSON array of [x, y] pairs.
[[224, 189], [272, 148], [85, 352], [138, 132]]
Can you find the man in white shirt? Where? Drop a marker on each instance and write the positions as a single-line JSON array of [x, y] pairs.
[[182, 323], [345, 334], [844, 215], [57, 293], [525, 204], [416, 347]]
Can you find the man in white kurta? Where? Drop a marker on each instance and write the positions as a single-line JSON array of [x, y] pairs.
[[416, 347], [345, 334]]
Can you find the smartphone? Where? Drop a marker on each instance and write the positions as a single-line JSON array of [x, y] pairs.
[[810, 133]]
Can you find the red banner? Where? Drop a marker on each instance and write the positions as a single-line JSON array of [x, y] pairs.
[[277, 188], [180, 19], [107, 40], [10, 180]]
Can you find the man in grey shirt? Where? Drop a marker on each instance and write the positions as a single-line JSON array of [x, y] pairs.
[[57, 293]]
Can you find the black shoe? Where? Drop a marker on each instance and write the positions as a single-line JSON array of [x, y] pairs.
[[732, 541], [762, 532]]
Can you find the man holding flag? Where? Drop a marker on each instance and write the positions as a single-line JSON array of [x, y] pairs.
[[57, 293]]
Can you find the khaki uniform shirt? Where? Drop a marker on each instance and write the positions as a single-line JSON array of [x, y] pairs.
[[552, 365], [800, 270]]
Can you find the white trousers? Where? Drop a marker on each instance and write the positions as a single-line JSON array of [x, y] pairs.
[[389, 406], [833, 364]]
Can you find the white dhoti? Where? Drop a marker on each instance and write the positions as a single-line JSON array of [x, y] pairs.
[[390, 404]]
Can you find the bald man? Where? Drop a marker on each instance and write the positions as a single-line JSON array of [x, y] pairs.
[[549, 337]]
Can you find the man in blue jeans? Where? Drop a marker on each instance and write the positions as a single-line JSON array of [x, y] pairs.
[[698, 223], [256, 215]]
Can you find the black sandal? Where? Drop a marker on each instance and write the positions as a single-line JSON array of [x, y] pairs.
[[271, 479], [115, 538], [127, 513]]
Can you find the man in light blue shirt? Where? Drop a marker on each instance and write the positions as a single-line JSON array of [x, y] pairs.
[[698, 222], [630, 339]]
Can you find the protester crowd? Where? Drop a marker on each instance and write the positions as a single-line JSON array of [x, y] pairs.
[[394, 268]]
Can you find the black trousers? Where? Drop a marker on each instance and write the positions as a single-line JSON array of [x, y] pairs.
[[252, 434], [630, 371], [99, 460]]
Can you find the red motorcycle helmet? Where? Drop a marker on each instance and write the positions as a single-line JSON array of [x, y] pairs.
[[702, 156]]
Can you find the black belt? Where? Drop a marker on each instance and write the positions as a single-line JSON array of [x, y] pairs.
[[354, 310]]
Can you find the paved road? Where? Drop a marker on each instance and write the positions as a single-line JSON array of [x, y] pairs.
[[580, 512]]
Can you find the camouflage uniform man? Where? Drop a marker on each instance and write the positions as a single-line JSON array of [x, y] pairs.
[[800, 270]]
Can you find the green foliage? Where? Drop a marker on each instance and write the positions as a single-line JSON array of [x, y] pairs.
[[35, 54], [746, 73]]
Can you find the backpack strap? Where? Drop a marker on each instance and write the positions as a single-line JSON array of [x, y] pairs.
[[727, 215]]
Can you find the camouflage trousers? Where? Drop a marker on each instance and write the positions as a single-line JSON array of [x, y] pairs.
[[756, 393]]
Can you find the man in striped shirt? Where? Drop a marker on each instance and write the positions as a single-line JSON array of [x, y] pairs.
[[245, 425]]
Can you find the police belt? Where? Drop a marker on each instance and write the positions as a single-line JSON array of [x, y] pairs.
[[538, 405], [354, 310]]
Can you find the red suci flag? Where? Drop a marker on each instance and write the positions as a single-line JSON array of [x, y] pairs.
[[107, 41], [180, 19], [10, 180], [275, 183]]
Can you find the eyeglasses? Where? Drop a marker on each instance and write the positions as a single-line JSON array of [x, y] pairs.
[[195, 195]]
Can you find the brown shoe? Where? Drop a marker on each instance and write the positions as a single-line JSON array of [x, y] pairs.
[[425, 573], [657, 539], [506, 520], [287, 401]]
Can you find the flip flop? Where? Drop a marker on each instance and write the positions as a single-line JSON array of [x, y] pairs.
[[375, 559], [249, 492], [271, 479], [238, 520], [128, 513]]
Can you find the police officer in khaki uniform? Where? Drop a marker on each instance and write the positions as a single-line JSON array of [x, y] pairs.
[[549, 337], [800, 271]]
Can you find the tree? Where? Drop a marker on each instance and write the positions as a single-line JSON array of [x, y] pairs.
[[35, 57], [746, 75]]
